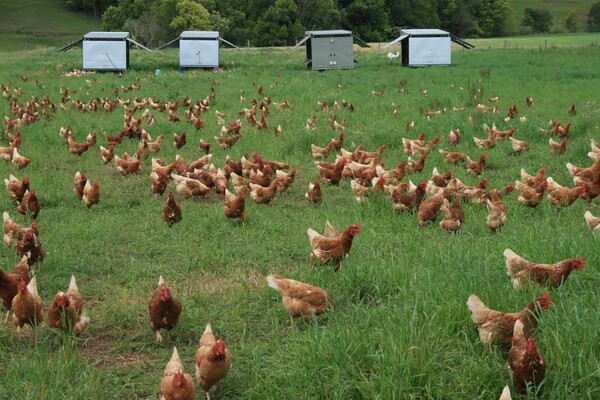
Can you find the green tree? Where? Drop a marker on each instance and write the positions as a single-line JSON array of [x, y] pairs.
[[114, 17], [368, 19], [539, 20], [218, 22], [594, 18], [279, 25], [210, 5], [318, 14], [257, 8], [93, 7], [190, 16], [571, 22], [241, 30], [458, 18], [240, 27], [146, 29], [495, 18], [166, 11], [413, 13]]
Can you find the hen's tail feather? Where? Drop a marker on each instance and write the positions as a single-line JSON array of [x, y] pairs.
[[510, 257], [207, 338], [312, 234], [272, 282], [477, 308], [174, 364], [588, 216], [571, 169], [506, 393], [518, 329], [83, 323], [73, 284], [32, 286]]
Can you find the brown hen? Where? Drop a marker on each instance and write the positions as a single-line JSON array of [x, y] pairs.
[[164, 310]]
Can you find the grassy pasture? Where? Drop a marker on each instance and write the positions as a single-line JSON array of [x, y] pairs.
[[538, 41], [31, 24], [559, 9], [400, 328]]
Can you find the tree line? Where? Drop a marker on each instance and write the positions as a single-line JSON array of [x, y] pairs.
[[283, 22]]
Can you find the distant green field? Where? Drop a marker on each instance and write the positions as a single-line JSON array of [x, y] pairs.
[[559, 9], [29, 24], [538, 41]]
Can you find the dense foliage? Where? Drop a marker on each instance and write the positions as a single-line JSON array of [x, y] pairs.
[[93, 7], [571, 22], [538, 20], [283, 22], [594, 20]]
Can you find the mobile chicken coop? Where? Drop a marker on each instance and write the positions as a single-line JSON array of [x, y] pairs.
[[421, 47], [198, 48], [331, 49], [105, 51]]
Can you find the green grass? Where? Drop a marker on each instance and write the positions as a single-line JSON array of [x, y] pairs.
[[538, 41], [400, 328], [31, 24]]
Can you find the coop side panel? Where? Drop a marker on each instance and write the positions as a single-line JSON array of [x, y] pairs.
[[332, 52], [199, 53], [320, 53], [344, 57], [104, 55], [429, 51]]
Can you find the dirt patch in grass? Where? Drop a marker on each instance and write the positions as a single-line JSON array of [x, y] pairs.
[[99, 349], [215, 284]]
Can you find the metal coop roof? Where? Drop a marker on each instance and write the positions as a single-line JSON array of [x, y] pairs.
[[425, 32], [404, 33], [328, 33], [199, 35], [190, 35], [106, 35], [333, 32], [103, 36]]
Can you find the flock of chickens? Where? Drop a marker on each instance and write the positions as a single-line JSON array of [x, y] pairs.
[[445, 192], [261, 180]]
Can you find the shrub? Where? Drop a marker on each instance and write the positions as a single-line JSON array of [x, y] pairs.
[[594, 18], [538, 19]]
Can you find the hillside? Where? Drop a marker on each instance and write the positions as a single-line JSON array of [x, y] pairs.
[[30, 24], [559, 9]]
